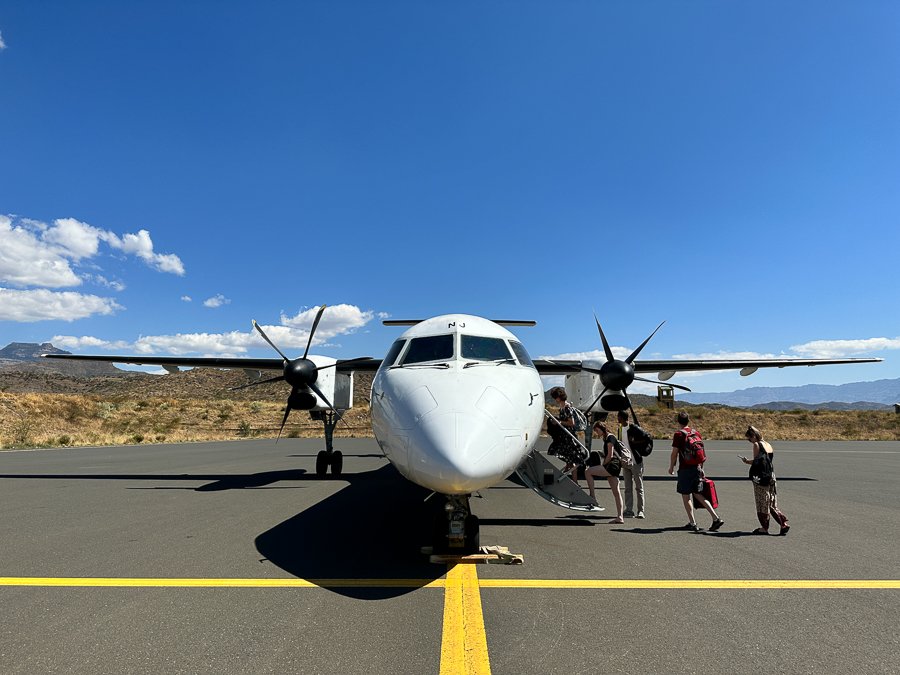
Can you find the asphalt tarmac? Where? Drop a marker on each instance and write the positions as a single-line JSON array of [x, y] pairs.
[[125, 559]]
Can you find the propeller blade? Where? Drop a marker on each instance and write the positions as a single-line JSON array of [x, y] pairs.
[[606, 349], [266, 338], [344, 363], [588, 411], [643, 344], [676, 386], [287, 411], [312, 385], [312, 331], [631, 408], [253, 384]]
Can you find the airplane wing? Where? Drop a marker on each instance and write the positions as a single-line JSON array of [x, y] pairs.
[[363, 365], [671, 366]]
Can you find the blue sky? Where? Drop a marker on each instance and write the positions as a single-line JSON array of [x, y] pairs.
[[171, 170]]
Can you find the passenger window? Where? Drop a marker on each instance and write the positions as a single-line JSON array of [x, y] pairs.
[[521, 354], [484, 348], [432, 348], [393, 353]]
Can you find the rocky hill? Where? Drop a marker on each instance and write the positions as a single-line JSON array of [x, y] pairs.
[[822, 396], [26, 357]]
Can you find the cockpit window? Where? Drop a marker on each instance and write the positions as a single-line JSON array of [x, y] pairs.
[[484, 348], [393, 353], [521, 354], [431, 348]]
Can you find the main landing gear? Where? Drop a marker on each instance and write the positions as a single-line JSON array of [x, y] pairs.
[[329, 457], [456, 529]]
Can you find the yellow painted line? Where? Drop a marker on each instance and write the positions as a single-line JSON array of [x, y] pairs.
[[464, 643], [460, 578], [691, 583], [141, 582]]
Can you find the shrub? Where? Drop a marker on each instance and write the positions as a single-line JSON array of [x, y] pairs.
[[105, 409], [255, 406], [64, 440], [138, 438], [244, 429]]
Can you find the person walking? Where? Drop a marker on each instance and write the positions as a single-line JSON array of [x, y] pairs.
[[565, 445], [609, 468], [633, 475], [763, 476], [690, 471]]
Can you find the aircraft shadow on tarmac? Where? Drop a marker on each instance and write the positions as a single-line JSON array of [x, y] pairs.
[[372, 529]]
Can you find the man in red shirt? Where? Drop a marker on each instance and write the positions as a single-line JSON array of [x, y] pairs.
[[689, 476]]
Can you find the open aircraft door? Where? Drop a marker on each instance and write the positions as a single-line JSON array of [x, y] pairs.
[[538, 473]]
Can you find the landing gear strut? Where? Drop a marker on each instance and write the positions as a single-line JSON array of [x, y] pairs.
[[329, 457], [456, 529]]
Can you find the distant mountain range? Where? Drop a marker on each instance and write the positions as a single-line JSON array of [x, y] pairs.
[[880, 394], [26, 356]]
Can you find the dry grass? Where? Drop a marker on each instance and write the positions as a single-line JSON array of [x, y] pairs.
[[62, 420]]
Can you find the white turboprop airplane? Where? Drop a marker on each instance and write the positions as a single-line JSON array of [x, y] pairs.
[[457, 404]]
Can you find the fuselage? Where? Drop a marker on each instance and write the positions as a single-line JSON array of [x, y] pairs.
[[457, 404]]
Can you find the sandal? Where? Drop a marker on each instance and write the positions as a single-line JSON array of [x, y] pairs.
[[759, 530], [617, 521]]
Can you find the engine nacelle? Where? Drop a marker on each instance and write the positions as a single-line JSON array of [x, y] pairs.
[[338, 387], [583, 387]]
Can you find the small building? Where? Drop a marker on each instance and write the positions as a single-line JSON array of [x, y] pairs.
[[666, 396]]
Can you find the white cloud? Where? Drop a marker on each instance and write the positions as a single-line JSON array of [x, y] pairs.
[[838, 349], [76, 240], [593, 355], [216, 301], [713, 356], [186, 298], [44, 305], [35, 254], [141, 245], [336, 320], [70, 342], [291, 334], [101, 280], [2, 43], [27, 260]]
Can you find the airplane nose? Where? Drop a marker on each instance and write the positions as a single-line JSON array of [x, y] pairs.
[[464, 453]]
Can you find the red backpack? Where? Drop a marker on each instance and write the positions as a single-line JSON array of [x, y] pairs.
[[693, 453]]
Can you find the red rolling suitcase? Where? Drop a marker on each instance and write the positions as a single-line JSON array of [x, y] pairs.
[[709, 492]]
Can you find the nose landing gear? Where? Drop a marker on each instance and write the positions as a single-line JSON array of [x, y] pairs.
[[456, 529], [329, 457]]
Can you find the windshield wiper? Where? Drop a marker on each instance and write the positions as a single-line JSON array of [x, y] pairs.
[[496, 362], [421, 365]]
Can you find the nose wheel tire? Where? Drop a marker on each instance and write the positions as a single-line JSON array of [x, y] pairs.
[[325, 459], [337, 463], [473, 535]]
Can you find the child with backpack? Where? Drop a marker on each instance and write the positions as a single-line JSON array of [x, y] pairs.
[[688, 451]]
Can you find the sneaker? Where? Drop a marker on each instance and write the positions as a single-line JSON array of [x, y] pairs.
[[784, 530], [716, 525], [640, 514], [629, 514], [693, 527]]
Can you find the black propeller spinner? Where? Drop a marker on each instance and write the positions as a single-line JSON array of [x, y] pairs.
[[617, 375], [301, 374]]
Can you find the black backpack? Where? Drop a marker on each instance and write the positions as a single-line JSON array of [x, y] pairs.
[[639, 440], [761, 471]]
